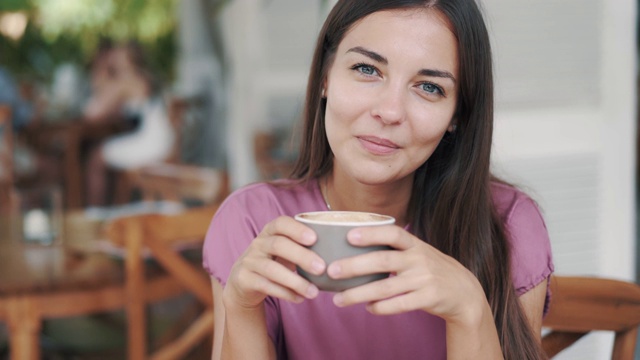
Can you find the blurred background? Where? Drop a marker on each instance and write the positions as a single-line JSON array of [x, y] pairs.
[[230, 75]]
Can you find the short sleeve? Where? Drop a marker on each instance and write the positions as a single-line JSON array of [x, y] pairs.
[[531, 258], [229, 234]]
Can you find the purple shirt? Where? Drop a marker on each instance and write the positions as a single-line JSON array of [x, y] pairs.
[[317, 329]]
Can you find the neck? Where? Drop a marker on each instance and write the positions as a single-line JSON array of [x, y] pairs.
[[345, 193]]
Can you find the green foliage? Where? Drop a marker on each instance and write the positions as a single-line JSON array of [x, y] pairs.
[[13, 5], [62, 31]]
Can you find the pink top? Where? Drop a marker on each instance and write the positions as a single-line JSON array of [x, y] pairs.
[[317, 329]]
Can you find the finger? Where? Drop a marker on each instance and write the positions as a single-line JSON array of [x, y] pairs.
[[290, 228], [390, 235], [281, 247], [254, 282], [382, 261], [280, 275], [376, 291], [399, 304]]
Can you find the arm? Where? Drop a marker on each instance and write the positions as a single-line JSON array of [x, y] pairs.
[[266, 268], [250, 329], [533, 305], [218, 319], [475, 337], [485, 332]]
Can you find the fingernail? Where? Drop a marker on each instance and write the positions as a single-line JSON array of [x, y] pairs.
[[355, 236], [312, 292], [317, 266], [334, 270], [338, 300], [309, 237]]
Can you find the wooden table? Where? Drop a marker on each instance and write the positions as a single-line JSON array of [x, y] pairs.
[[40, 282]]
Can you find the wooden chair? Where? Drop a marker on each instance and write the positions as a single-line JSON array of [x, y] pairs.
[[162, 235], [269, 167], [180, 182], [580, 305]]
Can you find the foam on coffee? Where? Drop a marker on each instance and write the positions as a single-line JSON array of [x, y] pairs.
[[339, 217]]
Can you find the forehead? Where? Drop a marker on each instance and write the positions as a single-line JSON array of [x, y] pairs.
[[423, 32]]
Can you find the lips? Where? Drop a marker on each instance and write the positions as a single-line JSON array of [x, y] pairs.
[[378, 146]]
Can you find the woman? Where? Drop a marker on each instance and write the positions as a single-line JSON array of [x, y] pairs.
[[398, 121], [124, 88]]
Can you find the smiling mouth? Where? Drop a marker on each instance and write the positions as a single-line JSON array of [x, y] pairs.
[[380, 142], [378, 146]]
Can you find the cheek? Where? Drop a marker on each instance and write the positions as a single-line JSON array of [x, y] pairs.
[[428, 132], [345, 104]]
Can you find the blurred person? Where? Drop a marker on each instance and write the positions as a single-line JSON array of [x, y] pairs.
[[21, 109], [29, 166], [124, 89], [24, 160], [398, 121]]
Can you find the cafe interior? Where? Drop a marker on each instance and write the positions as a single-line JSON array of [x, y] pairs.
[[102, 219]]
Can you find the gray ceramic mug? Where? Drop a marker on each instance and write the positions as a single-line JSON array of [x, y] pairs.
[[331, 228]]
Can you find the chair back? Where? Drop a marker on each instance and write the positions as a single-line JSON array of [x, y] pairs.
[[181, 183], [163, 236], [270, 167], [580, 305]]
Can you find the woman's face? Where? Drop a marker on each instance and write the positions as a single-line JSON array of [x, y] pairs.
[[391, 94]]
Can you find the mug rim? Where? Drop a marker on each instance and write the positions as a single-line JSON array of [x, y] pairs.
[[388, 220]]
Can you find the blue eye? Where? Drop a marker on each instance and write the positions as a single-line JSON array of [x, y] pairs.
[[365, 69], [368, 70], [431, 88]]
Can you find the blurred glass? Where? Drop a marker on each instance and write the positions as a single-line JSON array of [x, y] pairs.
[[39, 217]]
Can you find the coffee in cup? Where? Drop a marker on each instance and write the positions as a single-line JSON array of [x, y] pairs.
[[331, 228]]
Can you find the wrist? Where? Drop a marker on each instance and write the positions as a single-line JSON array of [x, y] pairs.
[[474, 316], [473, 335], [234, 304], [474, 310]]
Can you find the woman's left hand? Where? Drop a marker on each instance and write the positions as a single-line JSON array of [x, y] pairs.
[[423, 278]]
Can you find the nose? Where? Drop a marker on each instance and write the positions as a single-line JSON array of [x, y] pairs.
[[389, 107]]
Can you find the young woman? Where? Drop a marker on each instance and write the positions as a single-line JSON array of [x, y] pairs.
[[398, 121]]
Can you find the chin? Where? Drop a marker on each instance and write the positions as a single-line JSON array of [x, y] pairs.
[[377, 176]]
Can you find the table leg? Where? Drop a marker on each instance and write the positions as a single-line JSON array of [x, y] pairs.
[[73, 175], [24, 328]]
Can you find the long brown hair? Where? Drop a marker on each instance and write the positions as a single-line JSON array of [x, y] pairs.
[[451, 205]]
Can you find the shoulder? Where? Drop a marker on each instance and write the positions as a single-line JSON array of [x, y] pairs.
[[508, 199], [285, 196], [262, 202]]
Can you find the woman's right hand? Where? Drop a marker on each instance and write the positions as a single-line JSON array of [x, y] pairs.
[[267, 267]]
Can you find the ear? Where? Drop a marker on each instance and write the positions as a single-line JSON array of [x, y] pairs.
[[323, 92], [453, 126]]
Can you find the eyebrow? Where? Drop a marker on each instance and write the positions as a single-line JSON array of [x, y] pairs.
[[437, 73], [370, 54], [383, 60]]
